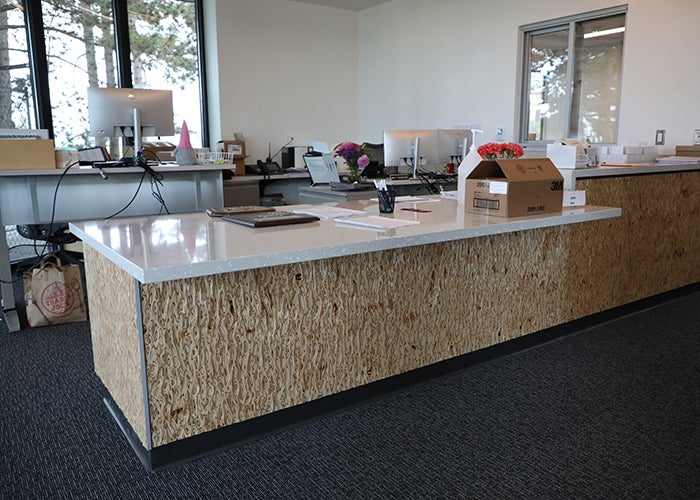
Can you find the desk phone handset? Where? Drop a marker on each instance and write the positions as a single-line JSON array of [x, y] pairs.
[[269, 167]]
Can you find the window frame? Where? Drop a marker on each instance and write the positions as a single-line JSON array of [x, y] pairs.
[[526, 32], [39, 67]]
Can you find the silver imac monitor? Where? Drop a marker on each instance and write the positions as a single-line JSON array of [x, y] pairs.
[[415, 149], [126, 113], [453, 145]]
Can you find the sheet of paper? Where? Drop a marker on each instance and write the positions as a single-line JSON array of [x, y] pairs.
[[375, 222], [328, 212], [411, 199]]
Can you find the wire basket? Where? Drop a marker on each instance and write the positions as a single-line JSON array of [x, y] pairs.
[[216, 158]]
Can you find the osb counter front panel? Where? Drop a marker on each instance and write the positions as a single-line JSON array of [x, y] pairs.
[[115, 336], [653, 248], [226, 348]]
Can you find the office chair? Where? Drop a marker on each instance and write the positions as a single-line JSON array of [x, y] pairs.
[[56, 236], [375, 152]]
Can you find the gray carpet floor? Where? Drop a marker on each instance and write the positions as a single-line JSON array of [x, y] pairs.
[[609, 412]]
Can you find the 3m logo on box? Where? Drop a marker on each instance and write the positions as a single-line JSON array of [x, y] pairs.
[[511, 188]]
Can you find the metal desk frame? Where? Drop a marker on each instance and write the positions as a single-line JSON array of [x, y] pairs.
[[26, 197]]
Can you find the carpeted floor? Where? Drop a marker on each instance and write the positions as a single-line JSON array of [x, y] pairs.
[[610, 412]]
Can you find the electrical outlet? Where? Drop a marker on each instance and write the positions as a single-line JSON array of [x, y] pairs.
[[660, 137], [499, 132]]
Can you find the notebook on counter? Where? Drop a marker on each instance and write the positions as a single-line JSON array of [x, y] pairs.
[[268, 219], [244, 209]]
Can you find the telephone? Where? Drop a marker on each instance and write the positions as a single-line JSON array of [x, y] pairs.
[[269, 167]]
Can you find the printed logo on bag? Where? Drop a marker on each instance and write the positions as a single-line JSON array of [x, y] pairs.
[[57, 299]]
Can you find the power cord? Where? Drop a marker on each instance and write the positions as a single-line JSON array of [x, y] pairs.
[[156, 180], [427, 183], [42, 254]]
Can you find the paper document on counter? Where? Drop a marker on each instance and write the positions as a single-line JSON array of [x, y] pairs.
[[411, 199], [375, 222], [327, 212], [678, 159]]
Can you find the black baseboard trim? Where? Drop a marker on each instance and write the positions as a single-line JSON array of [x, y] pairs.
[[230, 436]]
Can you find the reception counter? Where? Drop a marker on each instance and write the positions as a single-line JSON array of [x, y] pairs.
[[200, 325], [206, 333]]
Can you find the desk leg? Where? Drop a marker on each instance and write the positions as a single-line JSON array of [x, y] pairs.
[[8, 291]]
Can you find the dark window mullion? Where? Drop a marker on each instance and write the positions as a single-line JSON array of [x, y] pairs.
[[204, 101], [121, 43], [38, 61]]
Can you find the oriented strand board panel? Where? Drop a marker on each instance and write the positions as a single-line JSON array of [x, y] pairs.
[[115, 338], [653, 248], [226, 348]]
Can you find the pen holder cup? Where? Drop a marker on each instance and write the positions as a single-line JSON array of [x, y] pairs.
[[387, 199]]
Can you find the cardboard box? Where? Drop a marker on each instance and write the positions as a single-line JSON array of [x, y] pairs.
[[511, 188], [566, 157], [687, 150], [22, 154], [66, 157], [238, 150], [238, 167], [164, 151], [235, 147]]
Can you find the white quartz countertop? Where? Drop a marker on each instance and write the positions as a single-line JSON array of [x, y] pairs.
[[168, 247], [570, 175]]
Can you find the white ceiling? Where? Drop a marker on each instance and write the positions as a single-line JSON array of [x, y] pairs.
[[357, 5]]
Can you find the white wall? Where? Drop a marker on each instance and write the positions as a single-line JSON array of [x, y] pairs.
[[285, 69], [451, 62], [292, 69]]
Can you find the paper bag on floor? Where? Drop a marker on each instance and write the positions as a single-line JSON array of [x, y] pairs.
[[54, 293]]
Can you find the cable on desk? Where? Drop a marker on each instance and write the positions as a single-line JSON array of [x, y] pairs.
[[156, 180], [427, 183], [42, 254]]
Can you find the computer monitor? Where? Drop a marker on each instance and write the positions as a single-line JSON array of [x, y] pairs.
[[126, 113], [453, 145], [415, 149]]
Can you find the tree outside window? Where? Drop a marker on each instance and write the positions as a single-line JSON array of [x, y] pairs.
[[79, 37], [572, 78], [16, 90]]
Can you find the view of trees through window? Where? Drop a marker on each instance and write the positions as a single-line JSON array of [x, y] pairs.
[[573, 82], [16, 90], [80, 53]]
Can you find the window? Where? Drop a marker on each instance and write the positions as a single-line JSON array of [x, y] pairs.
[[571, 78], [16, 91], [76, 44]]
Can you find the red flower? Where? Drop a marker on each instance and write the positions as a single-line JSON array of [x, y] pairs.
[[492, 150]]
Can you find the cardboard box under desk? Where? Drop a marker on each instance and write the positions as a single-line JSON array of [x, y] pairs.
[[511, 188], [22, 154]]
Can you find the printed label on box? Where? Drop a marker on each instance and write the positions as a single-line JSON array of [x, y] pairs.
[[498, 187], [236, 149]]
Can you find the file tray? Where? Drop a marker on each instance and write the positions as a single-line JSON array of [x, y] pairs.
[[268, 219]]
